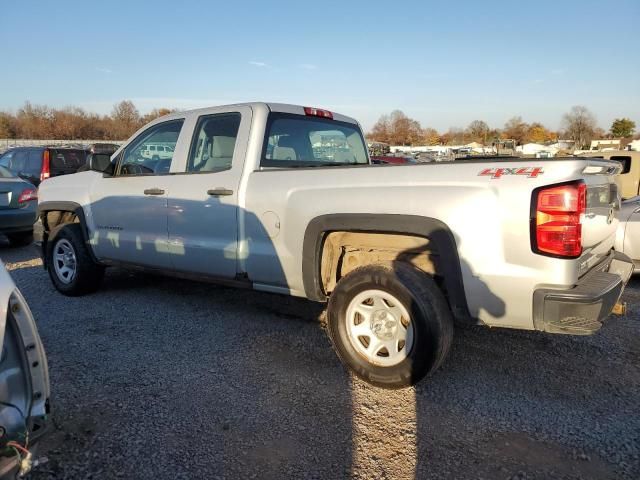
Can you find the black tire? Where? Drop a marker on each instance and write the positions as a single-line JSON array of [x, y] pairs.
[[88, 274], [21, 239], [430, 315]]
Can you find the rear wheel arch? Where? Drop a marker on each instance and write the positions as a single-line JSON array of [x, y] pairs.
[[446, 264]]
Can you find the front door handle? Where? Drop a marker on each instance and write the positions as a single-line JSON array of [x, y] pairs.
[[154, 191], [219, 192]]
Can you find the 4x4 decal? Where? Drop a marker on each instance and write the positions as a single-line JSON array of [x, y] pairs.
[[530, 172]]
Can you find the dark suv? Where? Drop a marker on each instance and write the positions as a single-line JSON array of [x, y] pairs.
[[36, 164]]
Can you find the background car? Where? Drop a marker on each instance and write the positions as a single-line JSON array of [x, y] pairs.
[[157, 152], [24, 382], [392, 160], [628, 234], [36, 164], [18, 207]]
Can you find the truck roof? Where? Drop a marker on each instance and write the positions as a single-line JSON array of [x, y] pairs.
[[269, 106]]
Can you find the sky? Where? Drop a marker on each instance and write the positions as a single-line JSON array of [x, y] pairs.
[[444, 63]]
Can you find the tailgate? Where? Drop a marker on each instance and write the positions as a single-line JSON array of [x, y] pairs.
[[601, 217]]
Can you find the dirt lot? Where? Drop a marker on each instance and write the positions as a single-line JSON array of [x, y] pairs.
[[160, 378]]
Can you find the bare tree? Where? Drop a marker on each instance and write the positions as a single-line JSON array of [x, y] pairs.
[[404, 130], [7, 125], [126, 119], [515, 129], [478, 131], [579, 125], [396, 129], [455, 136], [34, 121], [157, 113], [537, 133], [430, 136], [381, 130]]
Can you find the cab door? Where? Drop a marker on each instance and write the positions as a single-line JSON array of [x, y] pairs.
[[129, 209], [203, 211]]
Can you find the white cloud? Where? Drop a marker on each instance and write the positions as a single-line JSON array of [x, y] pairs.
[[308, 66], [104, 70], [258, 64]]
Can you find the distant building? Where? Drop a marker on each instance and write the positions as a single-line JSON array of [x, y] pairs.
[[611, 144], [537, 150], [567, 145]]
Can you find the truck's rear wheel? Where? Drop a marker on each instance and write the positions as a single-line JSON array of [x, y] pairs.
[[71, 268], [390, 324]]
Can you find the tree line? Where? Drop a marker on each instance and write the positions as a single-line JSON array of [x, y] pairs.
[[74, 123], [579, 125]]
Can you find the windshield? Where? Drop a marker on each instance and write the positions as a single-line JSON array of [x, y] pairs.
[[297, 141], [5, 173]]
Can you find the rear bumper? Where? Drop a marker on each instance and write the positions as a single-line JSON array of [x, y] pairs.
[[18, 219], [582, 309]]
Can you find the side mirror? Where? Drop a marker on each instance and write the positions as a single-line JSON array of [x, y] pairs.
[[100, 162]]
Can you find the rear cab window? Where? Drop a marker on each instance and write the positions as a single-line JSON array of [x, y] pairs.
[[306, 141]]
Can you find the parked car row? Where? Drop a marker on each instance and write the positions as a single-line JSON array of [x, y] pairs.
[[36, 164]]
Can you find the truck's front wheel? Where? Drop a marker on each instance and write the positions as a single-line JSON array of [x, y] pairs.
[[71, 268], [390, 324]]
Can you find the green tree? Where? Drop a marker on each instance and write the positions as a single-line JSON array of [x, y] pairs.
[[622, 127]]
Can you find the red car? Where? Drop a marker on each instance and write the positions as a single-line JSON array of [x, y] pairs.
[[390, 160]]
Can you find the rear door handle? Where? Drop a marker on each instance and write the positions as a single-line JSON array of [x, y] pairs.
[[154, 191], [219, 191]]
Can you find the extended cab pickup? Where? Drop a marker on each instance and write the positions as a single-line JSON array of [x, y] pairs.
[[283, 198]]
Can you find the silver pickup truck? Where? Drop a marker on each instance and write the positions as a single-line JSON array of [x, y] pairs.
[[283, 199]]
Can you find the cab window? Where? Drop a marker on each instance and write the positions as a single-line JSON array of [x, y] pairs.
[[141, 158]]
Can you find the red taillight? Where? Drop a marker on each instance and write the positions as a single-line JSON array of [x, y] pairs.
[[558, 230], [45, 172], [316, 112], [28, 195]]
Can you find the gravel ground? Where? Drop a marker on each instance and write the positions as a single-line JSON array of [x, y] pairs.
[[160, 378]]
